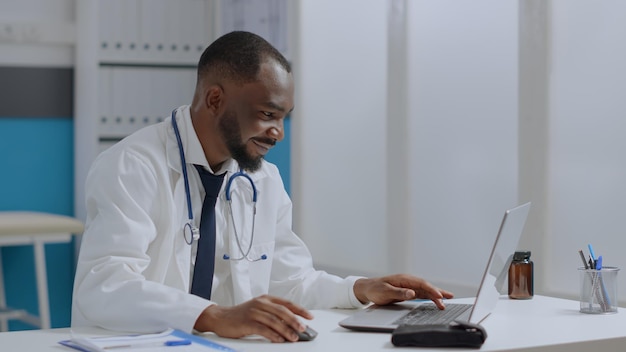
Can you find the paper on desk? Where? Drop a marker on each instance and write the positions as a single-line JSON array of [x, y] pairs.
[[147, 342]]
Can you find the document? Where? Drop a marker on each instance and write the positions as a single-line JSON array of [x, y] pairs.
[[164, 342]]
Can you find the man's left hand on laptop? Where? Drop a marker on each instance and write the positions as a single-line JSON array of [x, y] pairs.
[[397, 288]]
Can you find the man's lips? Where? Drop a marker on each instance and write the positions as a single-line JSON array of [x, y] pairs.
[[263, 146]]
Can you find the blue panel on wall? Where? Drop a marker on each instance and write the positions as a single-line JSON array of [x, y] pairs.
[[280, 155], [37, 161]]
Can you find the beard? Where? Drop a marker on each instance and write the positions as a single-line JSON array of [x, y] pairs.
[[231, 131]]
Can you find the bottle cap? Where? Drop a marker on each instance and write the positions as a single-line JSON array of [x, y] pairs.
[[521, 255]]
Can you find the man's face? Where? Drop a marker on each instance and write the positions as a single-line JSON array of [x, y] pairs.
[[231, 131], [252, 122]]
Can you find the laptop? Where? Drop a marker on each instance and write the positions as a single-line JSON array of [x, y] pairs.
[[387, 318]]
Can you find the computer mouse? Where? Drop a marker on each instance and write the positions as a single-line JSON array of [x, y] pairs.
[[307, 335]]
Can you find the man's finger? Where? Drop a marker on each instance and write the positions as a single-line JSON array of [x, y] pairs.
[[446, 294], [268, 333], [278, 326], [439, 303], [298, 310], [280, 315], [288, 309]]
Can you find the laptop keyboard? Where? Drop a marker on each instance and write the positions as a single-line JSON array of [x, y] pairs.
[[428, 313]]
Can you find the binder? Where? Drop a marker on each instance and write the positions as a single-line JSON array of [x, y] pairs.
[[105, 102]]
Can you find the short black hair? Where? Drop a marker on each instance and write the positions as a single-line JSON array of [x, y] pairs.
[[237, 57]]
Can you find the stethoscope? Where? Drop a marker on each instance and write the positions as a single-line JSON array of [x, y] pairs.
[[190, 230]]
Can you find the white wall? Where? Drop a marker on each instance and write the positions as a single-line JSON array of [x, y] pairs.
[[338, 155], [455, 115], [489, 104], [533, 104], [587, 166], [463, 125]]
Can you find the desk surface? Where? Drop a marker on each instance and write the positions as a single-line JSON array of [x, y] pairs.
[[541, 324]]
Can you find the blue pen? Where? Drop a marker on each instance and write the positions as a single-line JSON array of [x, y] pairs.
[[177, 343], [593, 256], [599, 263], [150, 344]]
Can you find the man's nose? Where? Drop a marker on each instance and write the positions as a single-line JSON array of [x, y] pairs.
[[277, 131]]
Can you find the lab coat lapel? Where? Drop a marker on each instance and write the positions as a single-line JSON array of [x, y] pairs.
[[182, 250]]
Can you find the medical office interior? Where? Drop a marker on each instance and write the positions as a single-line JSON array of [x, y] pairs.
[[417, 123]]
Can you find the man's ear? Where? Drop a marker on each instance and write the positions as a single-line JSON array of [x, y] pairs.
[[214, 98]]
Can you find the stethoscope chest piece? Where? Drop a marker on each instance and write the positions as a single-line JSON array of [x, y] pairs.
[[191, 232]]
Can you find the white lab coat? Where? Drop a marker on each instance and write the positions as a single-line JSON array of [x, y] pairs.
[[133, 271]]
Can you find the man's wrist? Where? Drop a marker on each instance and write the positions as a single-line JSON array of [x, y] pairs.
[[360, 287], [207, 318]]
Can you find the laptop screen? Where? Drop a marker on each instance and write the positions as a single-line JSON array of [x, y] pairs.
[[501, 256]]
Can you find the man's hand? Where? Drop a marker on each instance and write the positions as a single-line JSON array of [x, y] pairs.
[[271, 317], [397, 288]]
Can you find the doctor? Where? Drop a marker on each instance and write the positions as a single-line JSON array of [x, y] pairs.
[[144, 199]]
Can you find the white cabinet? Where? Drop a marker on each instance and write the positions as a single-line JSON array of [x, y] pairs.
[[135, 62]]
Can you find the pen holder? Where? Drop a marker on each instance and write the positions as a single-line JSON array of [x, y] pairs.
[[598, 290]]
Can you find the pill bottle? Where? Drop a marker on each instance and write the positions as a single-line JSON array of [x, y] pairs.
[[521, 276]]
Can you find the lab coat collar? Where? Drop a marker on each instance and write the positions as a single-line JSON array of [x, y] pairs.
[[193, 149], [188, 137]]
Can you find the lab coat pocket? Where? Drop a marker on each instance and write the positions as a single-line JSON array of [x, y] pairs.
[[261, 267], [251, 273]]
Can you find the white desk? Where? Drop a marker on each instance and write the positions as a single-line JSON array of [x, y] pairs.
[[541, 324], [37, 229]]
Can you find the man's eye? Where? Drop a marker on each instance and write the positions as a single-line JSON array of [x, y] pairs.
[[267, 114]]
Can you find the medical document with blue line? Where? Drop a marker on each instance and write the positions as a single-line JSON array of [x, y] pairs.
[[166, 341]]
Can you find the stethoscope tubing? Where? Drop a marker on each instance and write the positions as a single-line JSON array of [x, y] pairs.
[[195, 233], [194, 230]]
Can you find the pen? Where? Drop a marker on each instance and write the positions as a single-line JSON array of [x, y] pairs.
[[582, 256], [150, 344], [593, 256], [606, 302]]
